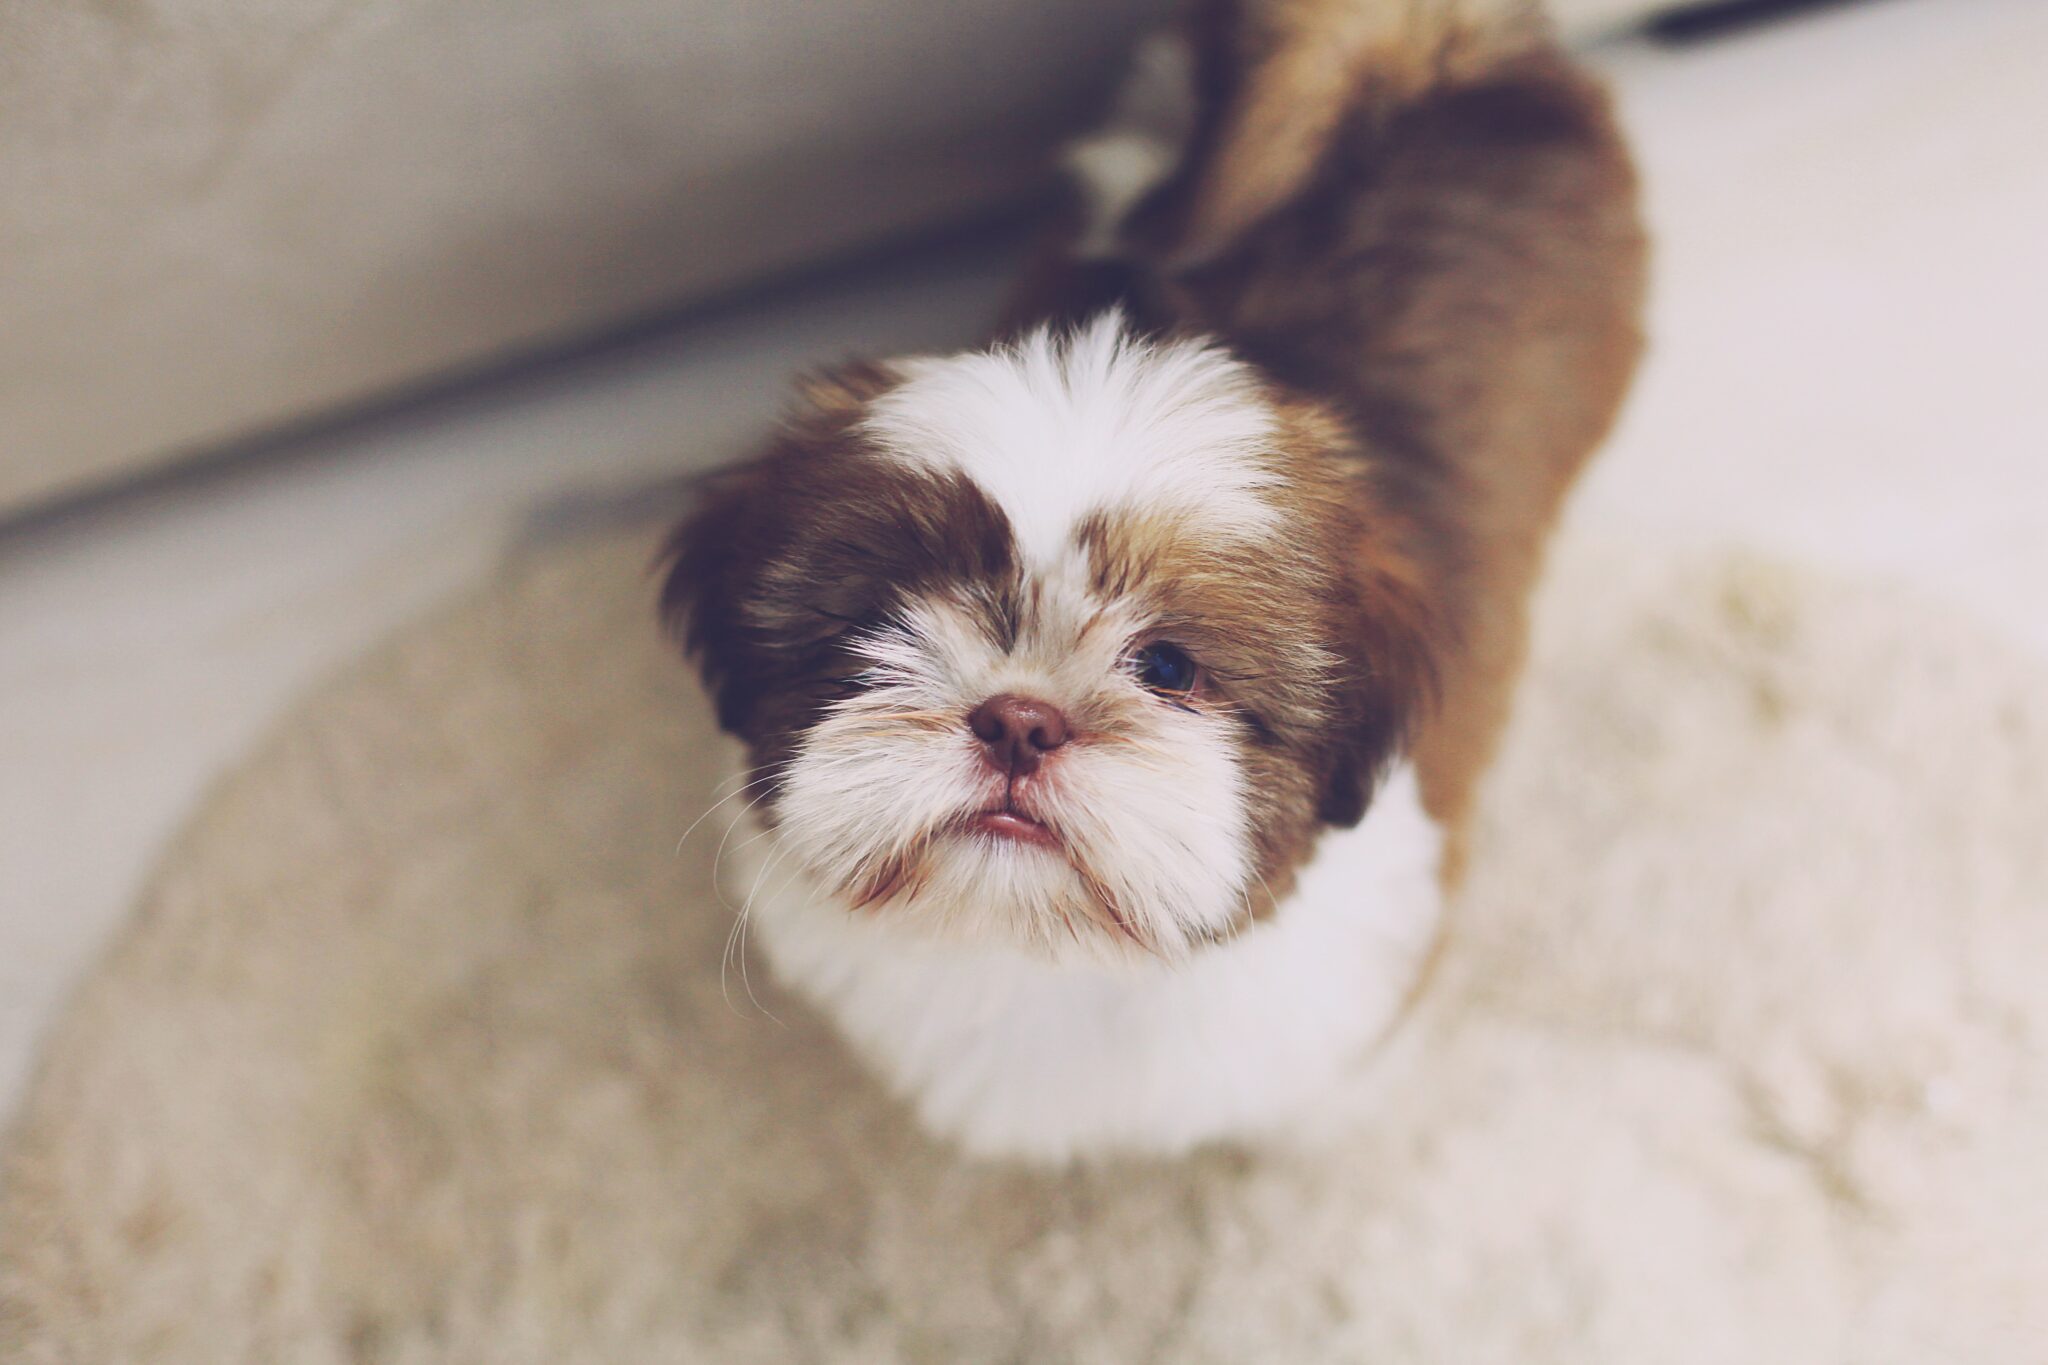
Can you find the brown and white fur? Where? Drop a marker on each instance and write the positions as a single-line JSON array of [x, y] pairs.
[[1285, 414]]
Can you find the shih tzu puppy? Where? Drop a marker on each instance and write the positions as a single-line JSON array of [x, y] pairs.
[[1114, 696]]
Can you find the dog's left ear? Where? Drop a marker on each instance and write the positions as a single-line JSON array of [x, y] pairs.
[[710, 560], [717, 560], [1390, 640]]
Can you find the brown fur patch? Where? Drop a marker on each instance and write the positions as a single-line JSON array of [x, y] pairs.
[[816, 537], [1286, 74]]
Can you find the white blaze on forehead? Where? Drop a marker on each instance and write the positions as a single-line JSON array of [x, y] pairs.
[[1057, 427]]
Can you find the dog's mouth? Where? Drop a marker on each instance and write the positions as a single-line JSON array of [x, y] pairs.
[[1006, 821], [1011, 827]]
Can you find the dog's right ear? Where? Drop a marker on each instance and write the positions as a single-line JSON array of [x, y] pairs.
[[718, 561]]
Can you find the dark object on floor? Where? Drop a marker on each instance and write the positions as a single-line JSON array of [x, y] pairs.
[[1693, 23]]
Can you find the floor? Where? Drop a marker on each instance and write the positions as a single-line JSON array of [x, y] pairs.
[[1847, 366]]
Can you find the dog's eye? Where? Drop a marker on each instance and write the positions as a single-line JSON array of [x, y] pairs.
[[1165, 669]]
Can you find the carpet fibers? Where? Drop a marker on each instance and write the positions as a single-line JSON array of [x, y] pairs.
[[419, 1048]]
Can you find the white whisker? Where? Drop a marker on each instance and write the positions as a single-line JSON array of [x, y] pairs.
[[765, 777]]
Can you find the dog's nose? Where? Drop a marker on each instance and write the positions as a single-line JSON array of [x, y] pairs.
[[1017, 732]]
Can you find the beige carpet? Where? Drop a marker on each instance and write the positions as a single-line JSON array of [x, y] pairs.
[[418, 1048]]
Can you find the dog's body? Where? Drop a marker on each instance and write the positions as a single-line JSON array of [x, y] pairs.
[[1116, 698]]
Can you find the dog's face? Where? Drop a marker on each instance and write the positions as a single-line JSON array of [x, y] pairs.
[[1076, 645]]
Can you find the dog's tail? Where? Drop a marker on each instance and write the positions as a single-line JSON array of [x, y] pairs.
[[1229, 112]]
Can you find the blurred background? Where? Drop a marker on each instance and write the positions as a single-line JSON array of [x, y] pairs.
[[311, 312]]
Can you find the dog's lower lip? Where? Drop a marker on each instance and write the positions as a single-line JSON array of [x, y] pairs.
[[1008, 824]]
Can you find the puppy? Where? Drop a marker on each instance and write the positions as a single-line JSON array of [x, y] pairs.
[[1113, 697]]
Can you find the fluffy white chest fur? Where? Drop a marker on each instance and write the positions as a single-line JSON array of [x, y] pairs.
[[1013, 1055]]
